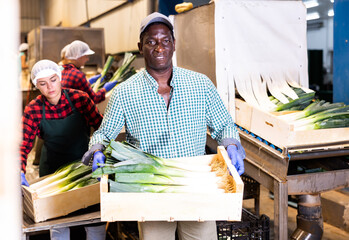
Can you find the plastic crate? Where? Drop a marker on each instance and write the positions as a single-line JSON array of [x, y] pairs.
[[251, 187], [250, 228], [251, 190]]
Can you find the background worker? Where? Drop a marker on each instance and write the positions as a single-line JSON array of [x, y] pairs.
[[76, 55], [166, 111], [24, 70], [62, 118]]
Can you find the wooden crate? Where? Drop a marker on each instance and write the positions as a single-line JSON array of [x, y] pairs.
[[174, 206], [280, 133], [41, 209]]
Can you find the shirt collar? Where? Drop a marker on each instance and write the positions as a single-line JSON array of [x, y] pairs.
[[69, 66], [155, 84]]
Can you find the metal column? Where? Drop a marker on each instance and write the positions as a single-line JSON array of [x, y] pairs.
[[341, 51]]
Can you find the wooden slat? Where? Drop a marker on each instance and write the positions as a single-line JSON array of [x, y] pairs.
[[170, 207]]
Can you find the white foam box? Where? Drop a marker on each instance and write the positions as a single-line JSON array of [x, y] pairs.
[[280, 133], [42, 209], [124, 206]]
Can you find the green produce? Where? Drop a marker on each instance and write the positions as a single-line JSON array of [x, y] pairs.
[[123, 72], [133, 170], [303, 100], [97, 85], [313, 108], [71, 176]]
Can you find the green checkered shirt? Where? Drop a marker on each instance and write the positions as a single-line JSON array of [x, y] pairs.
[[180, 130]]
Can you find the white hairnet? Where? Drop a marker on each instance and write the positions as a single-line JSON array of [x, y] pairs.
[[23, 47], [64, 50], [44, 68], [78, 49]]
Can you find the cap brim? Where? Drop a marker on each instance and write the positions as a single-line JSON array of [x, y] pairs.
[[88, 52]]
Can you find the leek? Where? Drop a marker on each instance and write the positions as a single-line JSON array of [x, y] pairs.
[[313, 108], [304, 99], [58, 174], [61, 183], [97, 85]]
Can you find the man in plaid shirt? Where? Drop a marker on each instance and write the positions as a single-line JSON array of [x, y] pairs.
[[76, 55], [166, 111]]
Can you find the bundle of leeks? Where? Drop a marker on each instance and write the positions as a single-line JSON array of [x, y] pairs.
[[68, 177], [133, 170], [319, 115], [122, 73], [303, 100], [107, 65]]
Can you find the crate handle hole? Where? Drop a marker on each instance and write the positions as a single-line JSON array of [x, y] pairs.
[[269, 124]]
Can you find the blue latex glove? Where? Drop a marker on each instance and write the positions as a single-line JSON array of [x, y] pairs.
[[98, 157], [94, 79], [236, 159], [24, 180], [109, 85]]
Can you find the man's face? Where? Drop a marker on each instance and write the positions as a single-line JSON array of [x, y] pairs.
[[157, 47]]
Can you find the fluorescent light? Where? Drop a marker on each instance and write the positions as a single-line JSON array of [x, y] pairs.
[[313, 16], [332, 1], [330, 13], [311, 4]]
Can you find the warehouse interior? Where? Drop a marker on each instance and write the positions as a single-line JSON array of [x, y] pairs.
[[296, 191]]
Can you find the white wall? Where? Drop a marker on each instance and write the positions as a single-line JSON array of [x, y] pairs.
[[322, 39], [120, 22], [121, 28]]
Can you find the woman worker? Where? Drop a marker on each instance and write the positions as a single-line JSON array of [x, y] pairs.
[[62, 118], [76, 55]]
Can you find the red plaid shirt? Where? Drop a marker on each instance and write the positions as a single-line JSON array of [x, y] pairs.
[[33, 114], [74, 78]]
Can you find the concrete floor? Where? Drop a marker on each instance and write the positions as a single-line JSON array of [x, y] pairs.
[[267, 208]]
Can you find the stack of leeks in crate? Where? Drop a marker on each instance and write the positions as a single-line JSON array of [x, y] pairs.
[[72, 176], [133, 170], [67, 190], [297, 104], [311, 113]]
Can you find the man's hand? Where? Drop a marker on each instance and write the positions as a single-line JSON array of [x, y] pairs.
[[98, 157], [236, 159], [24, 180]]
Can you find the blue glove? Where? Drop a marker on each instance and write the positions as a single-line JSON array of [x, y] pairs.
[[24, 180], [94, 79], [109, 85], [236, 159], [98, 157]]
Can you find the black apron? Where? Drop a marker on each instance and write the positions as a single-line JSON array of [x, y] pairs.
[[65, 140]]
